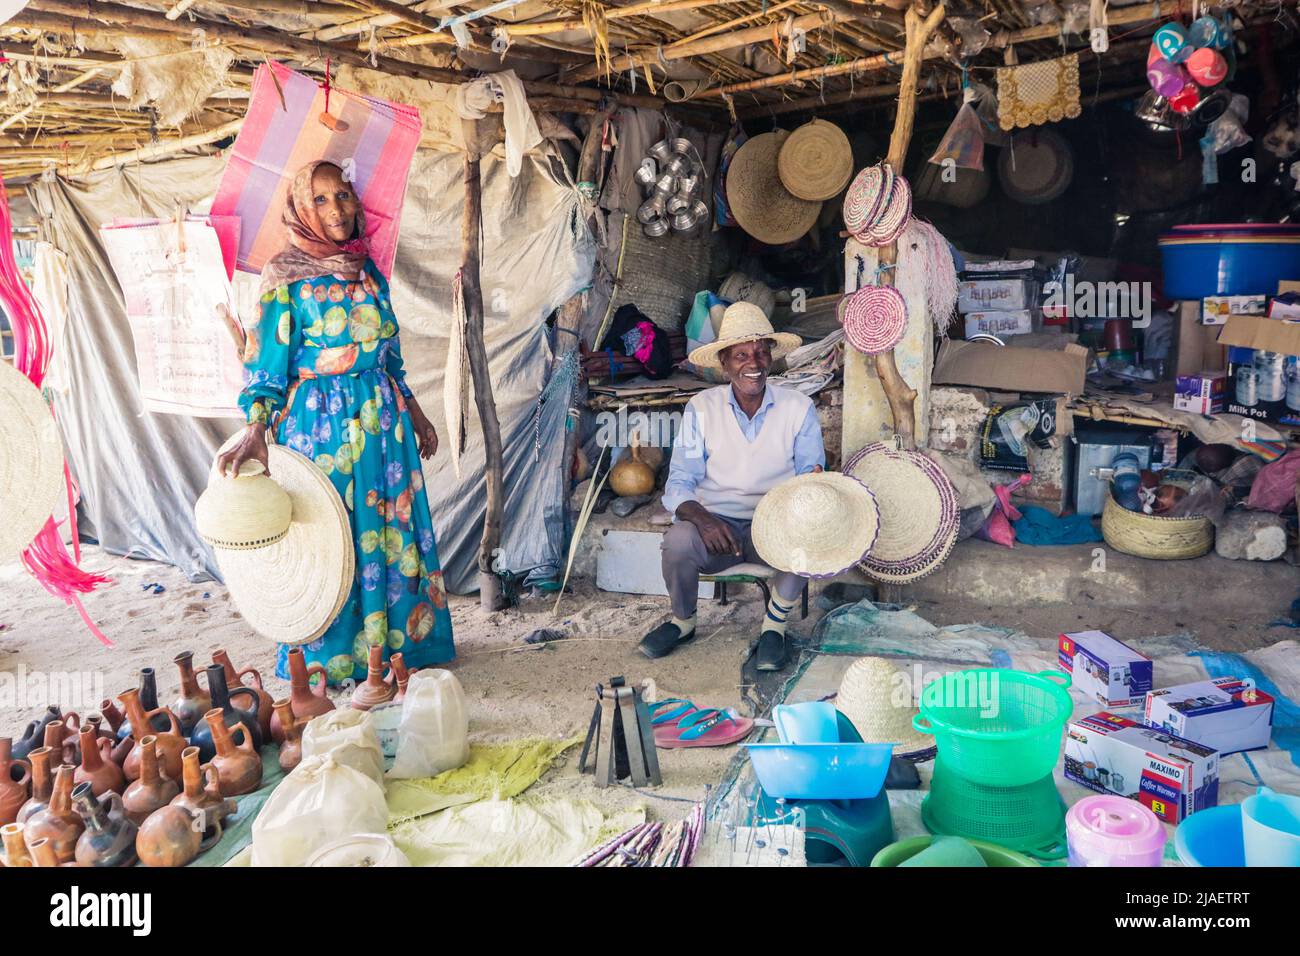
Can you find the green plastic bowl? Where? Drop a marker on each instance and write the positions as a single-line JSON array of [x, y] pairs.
[[996, 727], [993, 855]]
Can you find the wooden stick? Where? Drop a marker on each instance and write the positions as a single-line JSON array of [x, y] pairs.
[[163, 148], [61, 88], [363, 24], [471, 226], [180, 7], [651, 8]]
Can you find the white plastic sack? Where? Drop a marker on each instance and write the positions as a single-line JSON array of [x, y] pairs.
[[433, 736], [320, 802], [349, 736]]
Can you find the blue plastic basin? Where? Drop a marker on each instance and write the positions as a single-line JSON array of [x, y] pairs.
[[812, 722], [1211, 837], [1213, 266], [838, 771]]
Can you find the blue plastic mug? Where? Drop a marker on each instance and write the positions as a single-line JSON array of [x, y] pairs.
[[1270, 826]]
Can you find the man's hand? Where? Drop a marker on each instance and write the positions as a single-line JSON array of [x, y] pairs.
[[718, 536]]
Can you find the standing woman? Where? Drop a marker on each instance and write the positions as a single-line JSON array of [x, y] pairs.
[[324, 369]]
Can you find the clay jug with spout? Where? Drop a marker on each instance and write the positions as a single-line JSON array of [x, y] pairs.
[[148, 689], [307, 702], [109, 838], [34, 734], [58, 822], [169, 743], [41, 760], [374, 690], [243, 714], [153, 788], [45, 852], [235, 679], [291, 746], [115, 719], [401, 676], [97, 767], [61, 736], [202, 792], [15, 847], [193, 701], [172, 836], [15, 782], [239, 766]]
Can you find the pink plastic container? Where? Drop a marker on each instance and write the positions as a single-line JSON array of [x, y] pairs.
[[1113, 831]]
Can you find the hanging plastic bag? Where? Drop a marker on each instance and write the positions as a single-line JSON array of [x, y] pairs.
[[963, 143], [320, 802], [433, 736], [349, 737], [998, 528]]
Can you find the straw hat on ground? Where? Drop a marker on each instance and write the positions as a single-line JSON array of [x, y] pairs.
[[291, 591], [743, 322], [816, 161], [762, 205], [31, 463], [816, 525], [919, 511], [879, 701]]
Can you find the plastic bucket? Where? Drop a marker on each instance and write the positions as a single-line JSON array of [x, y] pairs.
[[1195, 267], [1113, 831], [1270, 828]]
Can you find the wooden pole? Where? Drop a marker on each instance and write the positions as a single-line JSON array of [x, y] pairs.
[[162, 148], [898, 393], [471, 227]]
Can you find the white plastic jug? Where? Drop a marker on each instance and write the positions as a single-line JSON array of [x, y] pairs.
[[433, 735]]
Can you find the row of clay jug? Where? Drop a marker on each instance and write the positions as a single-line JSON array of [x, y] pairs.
[[156, 821], [379, 687]]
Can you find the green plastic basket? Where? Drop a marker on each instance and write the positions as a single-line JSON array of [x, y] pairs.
[[1028, 819], [999, 728], [994, 855]]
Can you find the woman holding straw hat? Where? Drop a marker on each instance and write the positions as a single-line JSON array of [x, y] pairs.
[[736, 442], [324, 370]]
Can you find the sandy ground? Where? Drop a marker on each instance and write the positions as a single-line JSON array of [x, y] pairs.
[[513, 689]]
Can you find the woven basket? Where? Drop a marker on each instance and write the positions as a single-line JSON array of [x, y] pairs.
[[1154, 536]]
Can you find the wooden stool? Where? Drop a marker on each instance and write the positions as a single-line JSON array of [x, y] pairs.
[[752, 574]]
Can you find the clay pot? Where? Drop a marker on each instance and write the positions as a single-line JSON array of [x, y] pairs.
[[45, 852], [42, 784], [307, 702], [401, 676], [234, 716], [202, 793], [632, 476], [170, 743], [291, 746], [172, 837], [61, 736], [15, 782], [15, 847], [374, 690], [148, 690], [109, 839], [97, 767], [34, 733], [193, 701], [235, 679], [153, 788], [238, 765], [115, 719], [58, 822]]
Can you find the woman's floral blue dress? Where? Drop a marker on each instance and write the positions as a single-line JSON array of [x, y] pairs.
[[324, 368]]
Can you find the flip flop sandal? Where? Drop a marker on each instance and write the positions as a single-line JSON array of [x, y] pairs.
[[662, 713], [709, 727]]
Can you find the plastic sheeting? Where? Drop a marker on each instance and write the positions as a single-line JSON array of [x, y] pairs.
[[140, 473]]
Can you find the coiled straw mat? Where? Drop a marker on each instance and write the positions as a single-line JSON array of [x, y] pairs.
[[758, 199], [919, 511], [816, 525], [31, 463], [874, 319], [816, 161], [879, 700], [292, 591]]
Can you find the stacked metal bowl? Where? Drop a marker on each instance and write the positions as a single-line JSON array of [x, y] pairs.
[[672, 182]]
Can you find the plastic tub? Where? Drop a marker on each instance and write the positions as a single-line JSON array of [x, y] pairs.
[[1211, 837], [1270, 827], [998, 728], [1113, 831], [814, 722], [993, 855], [1029, 819], [1198, 265], [839, 771]]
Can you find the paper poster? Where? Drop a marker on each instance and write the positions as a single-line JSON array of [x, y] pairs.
[[183, 314]]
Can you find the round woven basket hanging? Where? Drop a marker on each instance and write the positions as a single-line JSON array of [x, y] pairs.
[[816, 161], [866, 197], [919, 511], [762, 205], [891, 222], [874, 319]]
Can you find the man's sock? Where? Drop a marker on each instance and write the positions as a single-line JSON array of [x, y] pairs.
[[777, 612], [684, 624]]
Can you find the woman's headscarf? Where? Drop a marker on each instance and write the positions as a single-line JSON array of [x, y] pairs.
[[311, 253]]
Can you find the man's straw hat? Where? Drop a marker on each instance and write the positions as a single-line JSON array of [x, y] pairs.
[[743, 322], [816, 525]]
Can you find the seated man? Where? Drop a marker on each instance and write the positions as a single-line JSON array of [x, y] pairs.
[[736, 442]]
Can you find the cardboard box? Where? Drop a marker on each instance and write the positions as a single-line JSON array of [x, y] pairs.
[[1197, 345], [996, 295], [1106, 670], [1021, 322], [1263, 368], [985, 365], [1225, 713], [1170, 776], [1216, 309], [1204, 393]]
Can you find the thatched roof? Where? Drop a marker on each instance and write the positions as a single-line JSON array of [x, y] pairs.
[[90, 83]]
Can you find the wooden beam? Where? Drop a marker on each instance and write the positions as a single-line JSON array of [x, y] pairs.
[[162, 148], [363, 24], [544, 27], [61, 88]]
